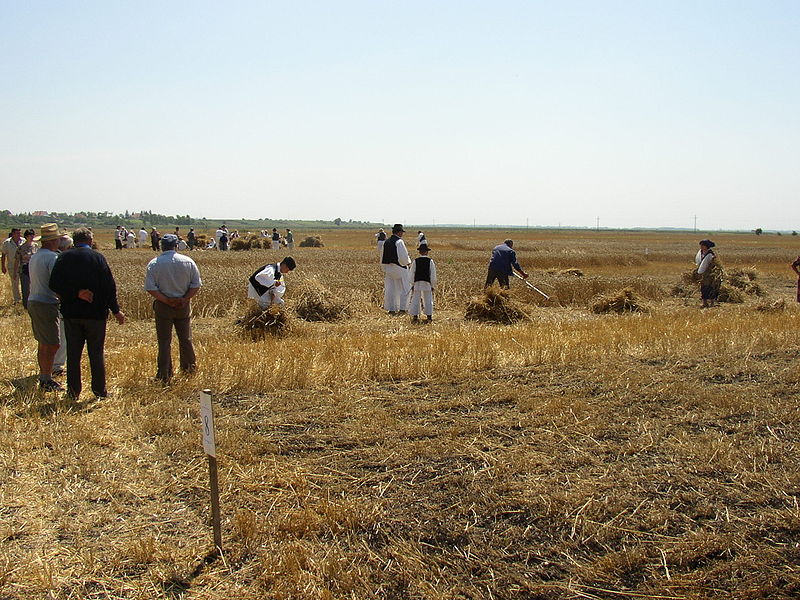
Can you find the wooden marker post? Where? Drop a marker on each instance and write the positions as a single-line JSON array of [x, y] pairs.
[[209, 445]]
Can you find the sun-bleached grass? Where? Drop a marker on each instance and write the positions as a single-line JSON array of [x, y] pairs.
[[572, 455]]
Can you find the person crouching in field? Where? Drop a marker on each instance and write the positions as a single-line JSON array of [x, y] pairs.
[[173, 280], [266, 283], [710, 272], [423, 282]]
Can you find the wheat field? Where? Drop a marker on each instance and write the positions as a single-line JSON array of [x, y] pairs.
[[568, 455]]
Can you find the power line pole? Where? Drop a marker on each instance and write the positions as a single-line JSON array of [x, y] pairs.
[[695, 223], [598, 223]]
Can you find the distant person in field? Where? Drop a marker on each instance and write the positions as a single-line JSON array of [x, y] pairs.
[[421, 238], [394, 262], [289, 239], [130, 241], [142, 238], [43, 306], [218, 234], [224, 239], [22, 259], [380, 238], [423, 278], [191, 238], [266, 284], [155, 238], [87, 291], [502, 264], [710, 273], [796, 269], [10, 245], [118, 239], [276, 239], [173, 280]]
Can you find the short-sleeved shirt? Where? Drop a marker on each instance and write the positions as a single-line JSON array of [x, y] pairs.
[[10, 250], [39, 268], [172, 274]]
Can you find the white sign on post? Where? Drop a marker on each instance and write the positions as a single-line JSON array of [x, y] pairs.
[[207, 423]]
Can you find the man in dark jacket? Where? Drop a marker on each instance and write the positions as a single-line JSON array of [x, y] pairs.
[[83, 281], [504, 259]]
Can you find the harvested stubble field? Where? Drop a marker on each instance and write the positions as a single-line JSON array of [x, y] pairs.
[[570, 455]]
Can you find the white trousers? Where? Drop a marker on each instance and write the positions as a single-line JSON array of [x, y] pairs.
[[276, 245], [395, 287], [422, 293], [61, 354]]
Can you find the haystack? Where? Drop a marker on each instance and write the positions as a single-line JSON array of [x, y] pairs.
[[258, 323], [745, 280], [315, 302], [619, 302], [495, 306], [312, 242], [730, 294], [239, 244]]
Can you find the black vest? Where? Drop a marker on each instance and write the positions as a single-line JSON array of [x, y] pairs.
[[390, 252], [422, 269], [262, 289], [276, 236]]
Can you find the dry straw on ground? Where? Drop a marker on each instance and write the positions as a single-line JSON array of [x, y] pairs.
[[620, 302], [311, 242], [495, 305], [314, 302], [258, 323]]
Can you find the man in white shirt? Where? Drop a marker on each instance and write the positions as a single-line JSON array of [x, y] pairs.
[[217, 235], [142, 238], [266, 283], [10, 246], [394, 261]]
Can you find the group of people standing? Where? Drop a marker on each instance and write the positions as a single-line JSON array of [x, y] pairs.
[[407, 285]]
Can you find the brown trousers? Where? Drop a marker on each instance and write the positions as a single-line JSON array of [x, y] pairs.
[[166, 318]]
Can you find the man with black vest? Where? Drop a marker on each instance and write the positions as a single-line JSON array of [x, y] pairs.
[[423, 278], [266, 283], [394, 261]]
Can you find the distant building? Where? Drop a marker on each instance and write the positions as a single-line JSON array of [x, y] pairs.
[[40, 213]]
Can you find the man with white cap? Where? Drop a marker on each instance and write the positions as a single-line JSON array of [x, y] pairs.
[[394, 262], [43, 305], [173, 280]]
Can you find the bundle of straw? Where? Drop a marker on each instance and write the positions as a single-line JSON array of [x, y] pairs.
[[777, 306], [258, 323], [623, 301], [495, 306], [317, 303]]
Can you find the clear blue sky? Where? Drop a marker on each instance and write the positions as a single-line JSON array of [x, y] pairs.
[[639, 113]]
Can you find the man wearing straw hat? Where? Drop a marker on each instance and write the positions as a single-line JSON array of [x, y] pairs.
[[43, 305], [395, 261], [173, 280], [87, 290]]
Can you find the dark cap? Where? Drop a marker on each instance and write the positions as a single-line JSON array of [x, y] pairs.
[[424, 248], [707, 243], [289, 262], [397, 228]]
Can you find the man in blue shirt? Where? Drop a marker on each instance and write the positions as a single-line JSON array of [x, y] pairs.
[[504, 259], [173, 280]]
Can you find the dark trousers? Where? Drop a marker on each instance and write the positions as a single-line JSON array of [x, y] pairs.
[[118, 243], [167, 318], [92, 333], [492, 275]]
